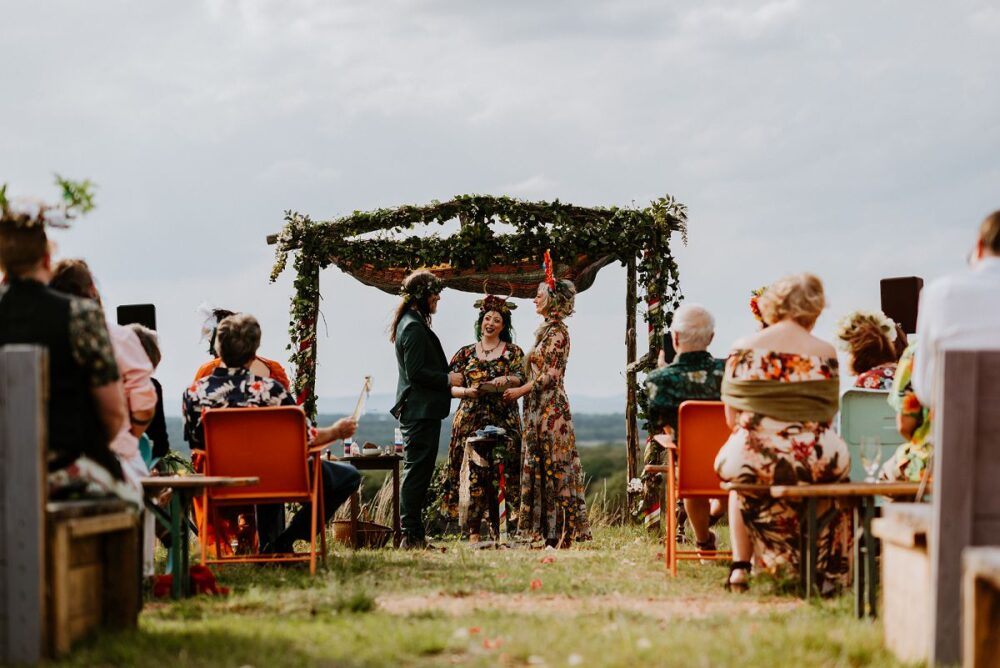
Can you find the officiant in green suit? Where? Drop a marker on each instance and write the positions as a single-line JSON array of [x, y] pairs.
[[423, 396]]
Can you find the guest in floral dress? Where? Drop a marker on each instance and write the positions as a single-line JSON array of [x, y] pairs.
[[781, 392], [553, 509], [912, 458], [873, 343], [488, 367]]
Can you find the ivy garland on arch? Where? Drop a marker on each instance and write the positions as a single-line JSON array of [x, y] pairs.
[[371, 244]]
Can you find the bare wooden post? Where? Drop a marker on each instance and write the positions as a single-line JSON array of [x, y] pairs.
[[966, 470], [23, 393], [631, 431]]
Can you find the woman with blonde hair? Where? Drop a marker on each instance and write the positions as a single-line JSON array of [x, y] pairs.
[[781, 391], [553, 509]]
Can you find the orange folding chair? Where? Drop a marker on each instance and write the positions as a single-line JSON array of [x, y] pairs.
[[271, 444], [701, 431]]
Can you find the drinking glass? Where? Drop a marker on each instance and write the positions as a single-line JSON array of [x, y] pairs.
[[871, 456]]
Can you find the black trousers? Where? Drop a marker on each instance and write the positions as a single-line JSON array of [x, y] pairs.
[[339, 482], [420, 439]]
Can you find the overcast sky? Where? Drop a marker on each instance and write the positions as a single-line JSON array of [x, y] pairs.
[[855, 139]]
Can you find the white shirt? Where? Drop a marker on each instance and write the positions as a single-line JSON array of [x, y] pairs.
[[961, 311]]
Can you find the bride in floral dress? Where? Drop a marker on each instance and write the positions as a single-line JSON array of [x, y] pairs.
[[553, 508], [489, 366]]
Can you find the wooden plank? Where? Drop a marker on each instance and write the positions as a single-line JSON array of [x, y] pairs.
[[197, 481], [981, 607], [23, 393], [898, 533], [843, 489], [955, 431], [90, 526], [121, 598]]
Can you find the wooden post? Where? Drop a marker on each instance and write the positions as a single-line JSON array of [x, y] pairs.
[[23, 390], [631, 431]]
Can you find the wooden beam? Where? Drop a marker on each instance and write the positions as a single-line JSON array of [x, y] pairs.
[[631, 411], [272, 239]]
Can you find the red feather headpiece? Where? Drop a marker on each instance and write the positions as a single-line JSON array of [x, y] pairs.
[[550, 278]]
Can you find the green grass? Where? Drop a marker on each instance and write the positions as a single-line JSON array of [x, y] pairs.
[[606, 603]]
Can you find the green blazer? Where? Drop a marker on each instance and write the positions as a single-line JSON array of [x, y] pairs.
[[423, 391]]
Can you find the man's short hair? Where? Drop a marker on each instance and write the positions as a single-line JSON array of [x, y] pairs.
[[237, 339], [21, 247], [694, 326], [989, 233]]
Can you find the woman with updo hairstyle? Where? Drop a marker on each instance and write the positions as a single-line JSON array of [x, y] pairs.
[[553, 510], [873, 343], [781, 389], [488, 367]]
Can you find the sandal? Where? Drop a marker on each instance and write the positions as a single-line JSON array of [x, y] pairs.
[[739, 587]]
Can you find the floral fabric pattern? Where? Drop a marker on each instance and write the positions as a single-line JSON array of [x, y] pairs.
[[462, 483], [764, 450], [912, 459], [91, 343], [877, 378], [553, 508]]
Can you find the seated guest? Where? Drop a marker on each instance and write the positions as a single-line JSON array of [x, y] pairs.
[[85, 404], [232, 386], [73, 277], [260, 366], [694, 374], [781, 391], [873, 343], [157, 430], [911, 460], [960, 311]]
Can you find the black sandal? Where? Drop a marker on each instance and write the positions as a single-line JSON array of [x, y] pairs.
[[739, 587]]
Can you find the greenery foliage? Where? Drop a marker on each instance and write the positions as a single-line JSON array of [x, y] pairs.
[[378, 239], [77, 199]]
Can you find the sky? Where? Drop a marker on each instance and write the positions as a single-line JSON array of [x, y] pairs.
[[857, 140]]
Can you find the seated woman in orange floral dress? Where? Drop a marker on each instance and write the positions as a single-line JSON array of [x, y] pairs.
[[873, 343], [488, 367], [781, 391]]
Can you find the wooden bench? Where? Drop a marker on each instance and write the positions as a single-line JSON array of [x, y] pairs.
[[981, 607], [861, 498]]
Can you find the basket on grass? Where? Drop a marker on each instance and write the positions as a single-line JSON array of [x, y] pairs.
[[370, 534]]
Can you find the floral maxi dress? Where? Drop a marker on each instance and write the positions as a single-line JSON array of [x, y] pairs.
[[553, 508], [473, 414], [768, 451]]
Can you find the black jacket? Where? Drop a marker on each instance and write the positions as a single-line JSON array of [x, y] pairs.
[[423, 391]]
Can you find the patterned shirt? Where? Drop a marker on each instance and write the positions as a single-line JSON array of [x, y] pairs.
[[229, 388], [877, 378], [695, 375]]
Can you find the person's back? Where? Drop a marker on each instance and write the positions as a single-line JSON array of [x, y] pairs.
[[32, 313]]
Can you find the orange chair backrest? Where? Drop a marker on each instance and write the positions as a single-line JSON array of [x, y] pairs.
[[701, 431], [269, 443]]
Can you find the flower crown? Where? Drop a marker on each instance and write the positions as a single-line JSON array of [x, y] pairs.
[[23, 212], [755, 296], [413, 293], [494, 303], [850, 323]]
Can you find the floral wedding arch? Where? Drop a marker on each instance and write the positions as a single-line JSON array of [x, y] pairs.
[[379, 248]]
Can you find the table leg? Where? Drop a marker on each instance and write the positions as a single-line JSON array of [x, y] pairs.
[[397, 528], [355, 510], [812, 547], [858, 565], [185, 547], [871, 563], [175, 544]]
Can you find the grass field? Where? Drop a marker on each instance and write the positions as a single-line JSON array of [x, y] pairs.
[[608, 603]]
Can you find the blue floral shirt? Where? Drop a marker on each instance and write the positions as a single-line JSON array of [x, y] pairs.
[[229, 388]]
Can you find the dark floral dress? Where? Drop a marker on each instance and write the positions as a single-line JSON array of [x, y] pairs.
[[461, 485], [553, 508], [764, 450]]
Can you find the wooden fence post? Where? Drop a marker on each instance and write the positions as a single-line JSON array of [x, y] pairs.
[[23, 393]]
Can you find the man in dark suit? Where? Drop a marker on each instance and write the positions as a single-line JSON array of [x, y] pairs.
[[423, 396]]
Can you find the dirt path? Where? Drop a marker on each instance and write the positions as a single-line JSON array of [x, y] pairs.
[[663, 609]]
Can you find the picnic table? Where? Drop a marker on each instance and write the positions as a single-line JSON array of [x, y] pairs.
[[376, 463], [861, 496], [184, 489]]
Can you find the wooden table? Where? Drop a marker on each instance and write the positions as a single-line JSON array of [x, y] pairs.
[[376, 463], [185, 488], [861, 496]]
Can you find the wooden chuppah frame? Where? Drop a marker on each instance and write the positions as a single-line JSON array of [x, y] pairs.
[[369, 246]]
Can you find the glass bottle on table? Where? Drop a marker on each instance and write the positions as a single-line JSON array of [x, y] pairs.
[[397, 441]]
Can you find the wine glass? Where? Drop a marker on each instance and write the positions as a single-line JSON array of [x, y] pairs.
[[871, 456]]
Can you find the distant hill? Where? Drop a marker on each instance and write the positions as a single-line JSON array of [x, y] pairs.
[[382, 402], [590, 428]]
